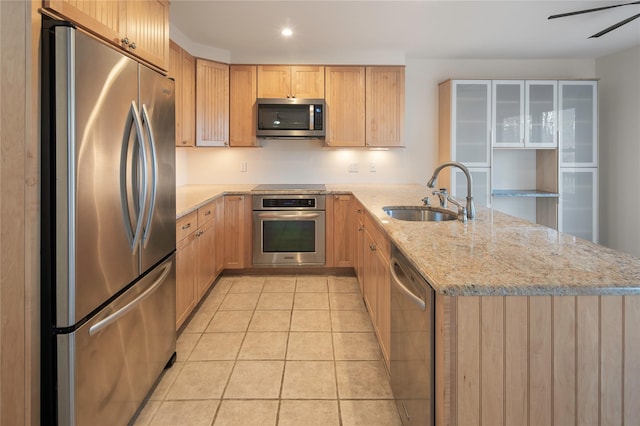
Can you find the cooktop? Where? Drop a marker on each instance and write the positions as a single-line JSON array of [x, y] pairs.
[[290, 187]]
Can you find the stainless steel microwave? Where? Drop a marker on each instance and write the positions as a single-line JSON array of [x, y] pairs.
[[290, 118]]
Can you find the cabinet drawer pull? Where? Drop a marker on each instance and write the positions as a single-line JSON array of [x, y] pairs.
[[187, 226], [207, 213]]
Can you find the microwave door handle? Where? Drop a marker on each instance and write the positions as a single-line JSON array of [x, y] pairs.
[[311, 117]]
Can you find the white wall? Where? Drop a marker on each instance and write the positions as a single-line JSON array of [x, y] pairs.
[[309, 162], [619, 156]]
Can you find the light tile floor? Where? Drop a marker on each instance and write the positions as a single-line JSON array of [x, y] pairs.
[[276, 350]]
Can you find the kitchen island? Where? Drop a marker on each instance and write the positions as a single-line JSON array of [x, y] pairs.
[[532, 326]]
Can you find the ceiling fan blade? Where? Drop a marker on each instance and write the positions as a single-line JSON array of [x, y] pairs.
[[613, 27], [579, 12]]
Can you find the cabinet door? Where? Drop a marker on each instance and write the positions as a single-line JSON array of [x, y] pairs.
[[578, 206], [242, 105], [370, 291], [274, 81], [578, 111], [235, 231], [541, 114], [344, 229], [481, 178], [186, 254], [383, 314], [508, 113], [219, 232], [384, 106], [103, 18], [147, 29], [206, 267], [188, 100], [345, 92], [471, 122], [359, 257], [307, 82], [175, 72], [212, 103]]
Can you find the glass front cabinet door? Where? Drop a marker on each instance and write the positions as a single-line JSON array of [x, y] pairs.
[[481, 181], [471, 122], [540, 115], [578, 207], [578, 115], [508, 114]]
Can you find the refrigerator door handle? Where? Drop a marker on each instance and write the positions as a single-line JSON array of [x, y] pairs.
[[154, 174], [127, 199], [97, 327]]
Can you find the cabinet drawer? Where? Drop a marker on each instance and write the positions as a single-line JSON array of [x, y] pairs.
[[378, 235], [186, 225], [206, 213]]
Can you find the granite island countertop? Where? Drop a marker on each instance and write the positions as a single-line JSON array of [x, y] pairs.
[[495, 254]]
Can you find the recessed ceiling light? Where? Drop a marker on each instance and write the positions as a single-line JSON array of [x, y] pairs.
[[287, 32]]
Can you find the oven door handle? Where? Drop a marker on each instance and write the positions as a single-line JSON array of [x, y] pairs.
[[289, 215]]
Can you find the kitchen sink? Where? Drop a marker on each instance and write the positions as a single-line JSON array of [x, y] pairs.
[[419, 213]]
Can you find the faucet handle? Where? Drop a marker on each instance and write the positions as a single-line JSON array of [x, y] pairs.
[[426, 201], [442, 195]]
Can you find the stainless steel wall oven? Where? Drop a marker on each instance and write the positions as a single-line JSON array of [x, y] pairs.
[[288, 229]]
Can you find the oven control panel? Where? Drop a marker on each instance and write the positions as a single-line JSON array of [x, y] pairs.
[[289, 202]]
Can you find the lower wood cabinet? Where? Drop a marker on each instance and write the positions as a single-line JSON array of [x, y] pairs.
[[342, 231], [237, 231], [186, 261], [376, 282], [199, 239], [360, 243]]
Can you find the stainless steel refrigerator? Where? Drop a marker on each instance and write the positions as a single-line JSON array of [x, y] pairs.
[[108, 229]]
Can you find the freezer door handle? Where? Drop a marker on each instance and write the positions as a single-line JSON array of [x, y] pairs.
[[131, 158], [97, 327], [154, 174]]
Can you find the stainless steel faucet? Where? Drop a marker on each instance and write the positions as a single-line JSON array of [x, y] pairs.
[[471, 209]]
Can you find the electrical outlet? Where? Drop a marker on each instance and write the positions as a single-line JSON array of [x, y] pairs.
[[353, 167], [243, 167], [373, 167]]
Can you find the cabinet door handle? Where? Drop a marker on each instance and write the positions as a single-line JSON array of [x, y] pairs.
[[132, 45], [372, 247], [187, 226], [125, 41]]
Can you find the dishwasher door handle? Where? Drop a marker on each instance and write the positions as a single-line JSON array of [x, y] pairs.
[[398, 283]]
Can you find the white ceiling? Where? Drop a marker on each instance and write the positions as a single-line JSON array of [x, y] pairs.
[[515, 29]]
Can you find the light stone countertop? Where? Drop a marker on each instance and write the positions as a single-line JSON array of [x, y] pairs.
[[495, 254]]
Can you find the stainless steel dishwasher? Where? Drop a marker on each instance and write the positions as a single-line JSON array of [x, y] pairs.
[[412, 342]]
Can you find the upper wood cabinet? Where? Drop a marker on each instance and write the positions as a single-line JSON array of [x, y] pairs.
[[365, 106], [139, 27], [284, 81], [242, 109], [345, 92], [147, 31], [384, 106], [212, 103], [182, 70]]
